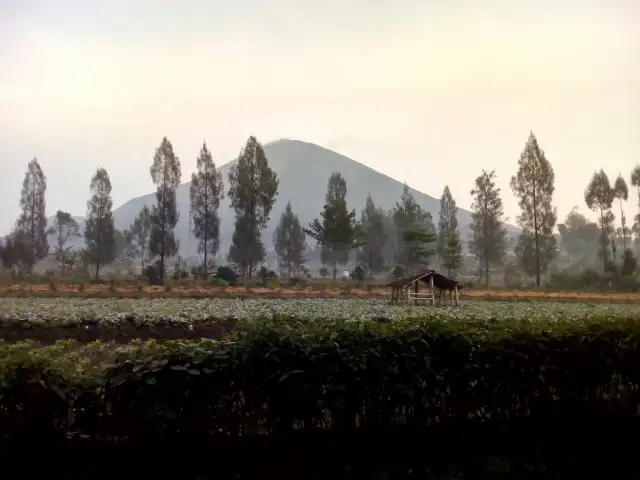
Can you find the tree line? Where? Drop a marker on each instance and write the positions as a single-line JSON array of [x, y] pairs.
[[403, 240]]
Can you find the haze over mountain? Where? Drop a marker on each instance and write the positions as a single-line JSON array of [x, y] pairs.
[[430, 92], [303, 170]]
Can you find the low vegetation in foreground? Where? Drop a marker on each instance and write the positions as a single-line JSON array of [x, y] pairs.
[[329, 389]]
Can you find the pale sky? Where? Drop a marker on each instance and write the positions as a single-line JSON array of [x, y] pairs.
[[425, 91]]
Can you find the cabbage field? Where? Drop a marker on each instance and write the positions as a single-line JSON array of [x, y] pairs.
[[69, 312]]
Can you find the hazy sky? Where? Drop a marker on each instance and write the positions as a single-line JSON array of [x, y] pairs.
[[425, 91]]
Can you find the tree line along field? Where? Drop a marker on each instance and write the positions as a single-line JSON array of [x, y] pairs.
[[401, 240]]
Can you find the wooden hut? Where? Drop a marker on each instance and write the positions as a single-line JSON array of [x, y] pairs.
[[422, 288]]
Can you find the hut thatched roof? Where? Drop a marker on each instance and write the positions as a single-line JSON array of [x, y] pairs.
[[439, 281]]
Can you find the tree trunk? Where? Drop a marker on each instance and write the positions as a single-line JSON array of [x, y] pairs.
[[537, 243], [486, 270], [164, 218], [604, 241], [624, 228]]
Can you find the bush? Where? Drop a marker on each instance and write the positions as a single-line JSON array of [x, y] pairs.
[[227, 274], [397, 272], [629, 263], [513, 278], [265, 275], [152, 274], [590, 279], [218, 282], [359, 274], [413, 394]]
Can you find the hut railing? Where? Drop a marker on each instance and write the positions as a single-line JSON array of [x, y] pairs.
[[421, 296]]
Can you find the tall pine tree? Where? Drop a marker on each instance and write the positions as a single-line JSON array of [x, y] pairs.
[[621, 192], [448, 245], [253, 188], [599, 196], [165, 173], [635, 181], [488, 236], [289, 241], [416, 232], [99, 232], [205, 193], [336, 232], [373, 236], [533, 185], [31, 227], [140, 231]]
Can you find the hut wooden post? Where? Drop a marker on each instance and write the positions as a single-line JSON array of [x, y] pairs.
[[433, 293], [416, 291], [456, 292]]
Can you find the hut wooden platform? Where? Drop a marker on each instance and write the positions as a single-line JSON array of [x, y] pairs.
[[409, 289]]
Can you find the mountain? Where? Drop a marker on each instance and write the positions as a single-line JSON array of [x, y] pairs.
[[303, 170]]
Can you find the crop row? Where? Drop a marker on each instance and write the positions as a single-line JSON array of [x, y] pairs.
[[46, 312]]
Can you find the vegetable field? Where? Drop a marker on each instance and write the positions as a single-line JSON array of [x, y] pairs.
[[69, 311], [121, 320], [318, 387]]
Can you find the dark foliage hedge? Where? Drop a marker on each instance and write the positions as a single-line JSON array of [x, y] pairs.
[[334, 400]]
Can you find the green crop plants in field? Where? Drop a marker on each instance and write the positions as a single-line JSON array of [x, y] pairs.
[[66, 312]]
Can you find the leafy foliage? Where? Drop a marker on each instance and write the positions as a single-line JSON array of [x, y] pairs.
[[372, 236], [621, 192], [99, 232], [416, 231], [453, 258], [289, 379], [253, 188], [205, 193], [31, 226], [251, 312], [289, 241], [635, 181], [579, 238], [599, 197], [64, 227], [166, 174], [140, 232], [488, 242], [534, 187], [337, 232], [448, 245], [14, 250], [629, 263]]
